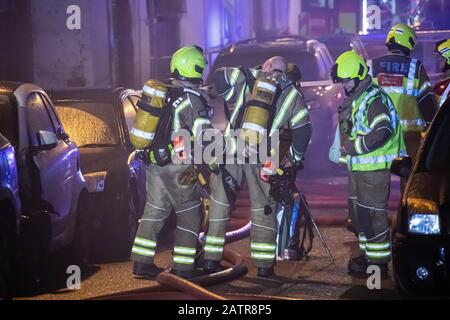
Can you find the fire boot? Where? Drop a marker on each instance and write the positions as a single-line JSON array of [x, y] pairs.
[[266, 272], [146, 271], [211, 266], [358, 266]]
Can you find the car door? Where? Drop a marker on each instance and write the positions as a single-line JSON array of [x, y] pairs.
[[54, 158]]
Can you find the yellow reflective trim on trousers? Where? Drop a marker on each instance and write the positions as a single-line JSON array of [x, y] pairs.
[[378, 246], [178, 110], [300, 116], [143, 252], [263, 247], [378, 254], [183, 260], [213, 249], [215, 240], [145, 242], [263, 256], [185, 250], [282, 113]]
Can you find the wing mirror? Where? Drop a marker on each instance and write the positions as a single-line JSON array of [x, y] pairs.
[[47, 140], [402, 167]]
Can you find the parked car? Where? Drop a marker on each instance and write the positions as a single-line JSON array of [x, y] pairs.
[[10, 209], [421, 237], [99, 122], [48, 184], [323, 97], [337, 44]]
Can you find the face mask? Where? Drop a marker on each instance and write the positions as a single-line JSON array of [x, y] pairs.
[[349, 86]]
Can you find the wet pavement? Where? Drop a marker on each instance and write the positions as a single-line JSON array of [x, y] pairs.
[[311, 278]]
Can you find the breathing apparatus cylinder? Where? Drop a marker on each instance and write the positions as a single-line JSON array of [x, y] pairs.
[[151, 108], [257, 114]]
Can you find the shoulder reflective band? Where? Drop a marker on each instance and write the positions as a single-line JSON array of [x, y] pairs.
[[411, 78], [369, 64], [282, 112], [176, 119], [153, 92], [141, 134]]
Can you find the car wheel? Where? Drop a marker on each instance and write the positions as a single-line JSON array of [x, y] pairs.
[[7, 255]]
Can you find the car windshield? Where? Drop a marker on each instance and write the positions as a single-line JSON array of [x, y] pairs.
[[9, 124], [89, 124], [306, 61]]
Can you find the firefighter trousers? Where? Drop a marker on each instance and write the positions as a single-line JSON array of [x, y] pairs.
[[368, 203], [263, 215], [168, 190]]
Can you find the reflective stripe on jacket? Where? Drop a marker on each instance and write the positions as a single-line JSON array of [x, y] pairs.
[[381, 158]]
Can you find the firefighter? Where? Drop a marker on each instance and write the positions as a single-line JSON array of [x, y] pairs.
[[241, 88], [406, 82], [442, 88], [177, 104], [371, 138]]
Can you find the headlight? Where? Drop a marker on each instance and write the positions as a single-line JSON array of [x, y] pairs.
[[423, 217], [424, 224]]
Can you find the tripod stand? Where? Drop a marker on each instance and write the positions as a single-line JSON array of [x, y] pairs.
[[283, 190]]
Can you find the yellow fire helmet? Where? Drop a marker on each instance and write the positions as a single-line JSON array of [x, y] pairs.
[[443, 48], [401, 37]]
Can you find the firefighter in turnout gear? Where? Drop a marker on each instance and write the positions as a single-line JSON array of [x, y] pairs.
[[174, 105], [287, 110], [442, 88], [406, 82], [370, 139]]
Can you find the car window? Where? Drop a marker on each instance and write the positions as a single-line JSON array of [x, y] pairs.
[[9, 123], [38, 117], [51, 112], [89, 124], [306, 61], [130, 109]]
